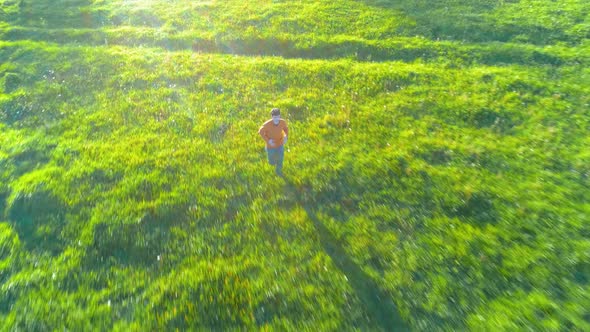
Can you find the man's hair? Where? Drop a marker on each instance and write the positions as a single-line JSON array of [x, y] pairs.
[[275, 111]]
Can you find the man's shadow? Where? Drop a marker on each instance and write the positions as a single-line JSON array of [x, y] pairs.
[[378, 306]]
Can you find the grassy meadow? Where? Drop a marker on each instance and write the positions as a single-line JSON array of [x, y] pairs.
[[436, 174]]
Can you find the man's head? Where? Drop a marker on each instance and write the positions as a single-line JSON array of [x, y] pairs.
[[276, 115]]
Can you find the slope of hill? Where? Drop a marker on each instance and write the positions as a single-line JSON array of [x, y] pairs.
[[436, 171]]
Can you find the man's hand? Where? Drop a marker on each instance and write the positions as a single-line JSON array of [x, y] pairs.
[[284, 139], [271, 142]]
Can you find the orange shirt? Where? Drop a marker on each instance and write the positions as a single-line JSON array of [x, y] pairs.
[[275, 132]]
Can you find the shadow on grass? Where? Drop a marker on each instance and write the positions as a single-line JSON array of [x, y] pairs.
[[473, 21], [379, 307], [39, 219], [55, 13], [359, 50]]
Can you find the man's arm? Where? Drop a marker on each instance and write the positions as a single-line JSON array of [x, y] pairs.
[[263, 133]]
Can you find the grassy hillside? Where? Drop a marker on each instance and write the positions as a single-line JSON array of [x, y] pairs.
[[437, 170]]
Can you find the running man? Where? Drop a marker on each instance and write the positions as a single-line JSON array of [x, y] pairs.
[[274, 132]]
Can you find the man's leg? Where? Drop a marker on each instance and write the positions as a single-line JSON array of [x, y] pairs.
[[279, 164], [271, 155]]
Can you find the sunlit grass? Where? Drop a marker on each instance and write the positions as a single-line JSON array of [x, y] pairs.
[[436, 167]]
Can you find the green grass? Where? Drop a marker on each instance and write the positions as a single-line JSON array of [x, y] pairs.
[[436, 171]]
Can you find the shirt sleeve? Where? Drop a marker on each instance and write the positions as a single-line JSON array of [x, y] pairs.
[[264, 133]]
